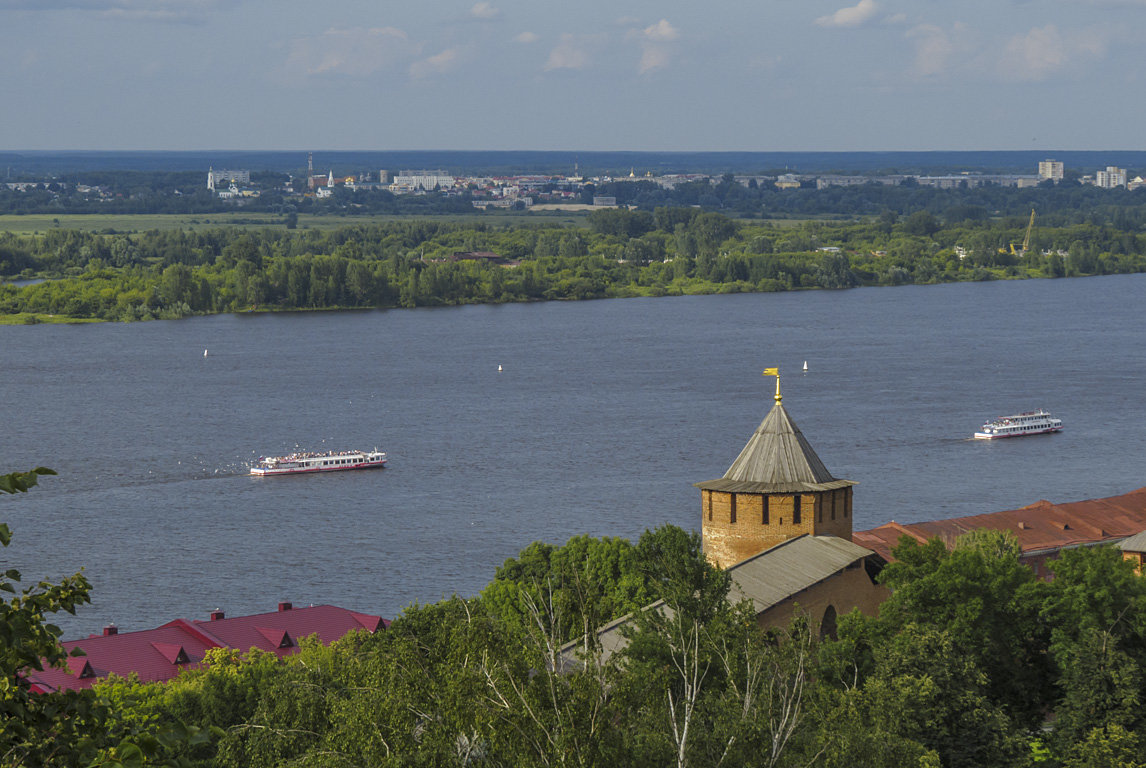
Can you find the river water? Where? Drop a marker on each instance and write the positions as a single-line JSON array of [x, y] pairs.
[[602, 416]]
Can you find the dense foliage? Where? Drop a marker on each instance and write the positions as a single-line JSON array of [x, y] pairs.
[[669, 251], [972, 662]]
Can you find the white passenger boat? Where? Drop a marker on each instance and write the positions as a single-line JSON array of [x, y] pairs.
[[307, 461], [1030, 423]]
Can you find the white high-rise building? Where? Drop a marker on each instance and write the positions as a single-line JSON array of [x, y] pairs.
[[1050, 169], [1110, 178], [412, 181], [220, 177]]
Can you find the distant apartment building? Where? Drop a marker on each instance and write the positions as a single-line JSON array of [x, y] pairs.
[[1050, 169], [788, 181], [973, 180], [836, 180], [604, 200], [1110, 178], [421, 181], [216, 178]]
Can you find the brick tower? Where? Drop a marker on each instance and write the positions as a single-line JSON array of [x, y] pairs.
[[776, 489]]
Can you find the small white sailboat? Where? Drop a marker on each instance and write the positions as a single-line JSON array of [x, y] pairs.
[[805, 366], [204, 353], [499, 368]]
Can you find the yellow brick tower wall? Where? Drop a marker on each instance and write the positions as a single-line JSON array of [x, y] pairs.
[[735, 526]]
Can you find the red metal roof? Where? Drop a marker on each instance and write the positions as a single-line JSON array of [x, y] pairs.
[[1039, 527], [160, 654]]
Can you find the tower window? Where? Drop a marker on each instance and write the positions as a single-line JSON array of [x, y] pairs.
[[708, 503], [732, 507], [847, 503], [796, 509], [764, 510]]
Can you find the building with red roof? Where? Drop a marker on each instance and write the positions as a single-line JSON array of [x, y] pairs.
[[1042, 529], [160, 654]]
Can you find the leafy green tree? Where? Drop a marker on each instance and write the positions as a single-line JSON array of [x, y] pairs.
[[921, 224], [1096, 608], [64, 729], [986, 602], [51, 729], [669, 657], [587, 582], [1107, 747]]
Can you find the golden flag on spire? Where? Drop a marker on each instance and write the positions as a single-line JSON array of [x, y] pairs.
[[771, 371]]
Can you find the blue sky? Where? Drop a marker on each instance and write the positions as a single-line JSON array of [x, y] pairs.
[[741, 75]]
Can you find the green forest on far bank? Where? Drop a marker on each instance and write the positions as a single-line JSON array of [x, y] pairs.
[[972, 661], [618, 253]]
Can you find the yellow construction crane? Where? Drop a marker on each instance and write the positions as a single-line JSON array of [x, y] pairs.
[[1026, 240]]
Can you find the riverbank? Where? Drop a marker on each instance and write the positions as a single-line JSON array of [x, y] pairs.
[[33, 318], [141, 312], [169, 274]]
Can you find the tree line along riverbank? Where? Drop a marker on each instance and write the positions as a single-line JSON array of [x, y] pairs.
[[617, 253]]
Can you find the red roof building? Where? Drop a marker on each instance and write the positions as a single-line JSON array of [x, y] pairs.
[[1042, 529], [160, 654]]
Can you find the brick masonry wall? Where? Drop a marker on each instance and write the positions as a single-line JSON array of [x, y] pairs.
[[848, 589], [734, 526]]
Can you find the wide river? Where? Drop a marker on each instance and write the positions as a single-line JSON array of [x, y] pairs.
[[601, 416]]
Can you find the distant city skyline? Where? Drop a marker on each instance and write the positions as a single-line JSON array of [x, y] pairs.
[[823, 75]]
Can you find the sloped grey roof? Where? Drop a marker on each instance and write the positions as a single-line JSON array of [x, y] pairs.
[[1136, 543], [766, 579], [790, 567], [777, 459]]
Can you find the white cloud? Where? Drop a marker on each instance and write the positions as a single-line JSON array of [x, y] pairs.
[[355, 51], [484, 11], [662, 31], [1043, 51], [570, 53], [934, 49], [653, 57], [852, 16], [527, 37], [437, 64], [1035, 54], [654, 39]]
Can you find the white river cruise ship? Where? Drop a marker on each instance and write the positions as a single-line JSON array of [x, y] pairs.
[[1030, 423], [307, 461]]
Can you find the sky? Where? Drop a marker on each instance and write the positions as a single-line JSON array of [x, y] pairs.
[[669, 75]]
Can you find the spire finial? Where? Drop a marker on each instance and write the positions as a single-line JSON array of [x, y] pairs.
[[774, 372]]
